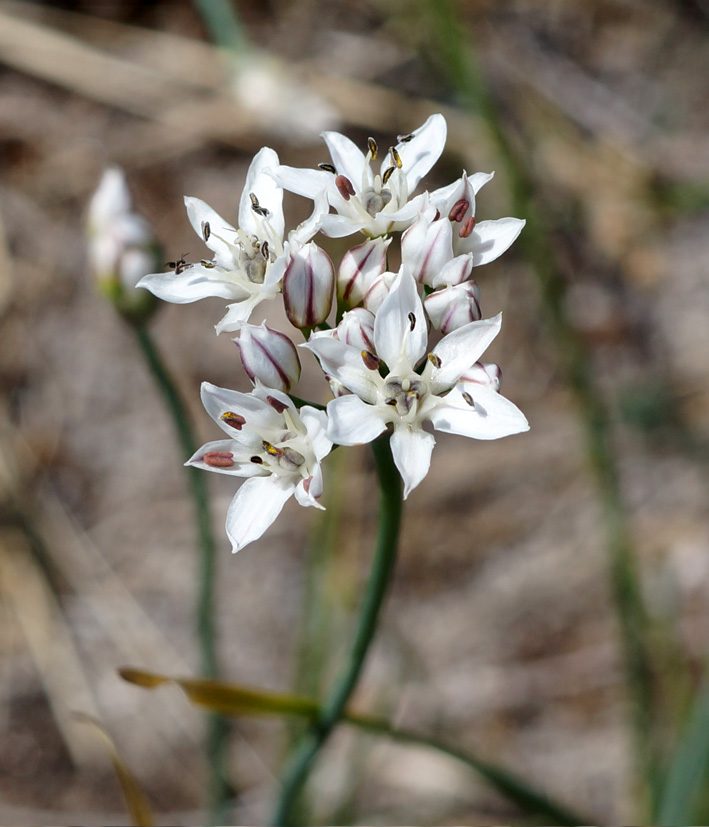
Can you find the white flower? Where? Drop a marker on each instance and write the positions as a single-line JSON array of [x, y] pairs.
[[400, 396], [365, 201], [278, 447], [121, 243], [269, 357], [247, 264]]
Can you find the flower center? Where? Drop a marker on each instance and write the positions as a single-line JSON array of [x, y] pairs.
[[404, 394]]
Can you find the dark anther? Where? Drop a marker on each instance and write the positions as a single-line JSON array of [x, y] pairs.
[[468, 227], [206, 230], [276, 404], [257, 460], [468, 399], [370, 360], [344, 187], [372, 146], [404, 139], [264, 250], [256, 207], [395, 156], [387, 174], [412, 320], [328, 168], [233, 420], [435, 360], [459, 209]]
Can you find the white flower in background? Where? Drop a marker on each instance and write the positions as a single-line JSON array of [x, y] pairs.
[[393, 393], [375, 203], [121, 245], [278, 447], [248, 264]]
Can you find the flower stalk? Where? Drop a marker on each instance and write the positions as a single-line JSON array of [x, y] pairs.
[[390, 511]]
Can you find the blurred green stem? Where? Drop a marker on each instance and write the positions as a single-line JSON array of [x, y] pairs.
[[331, 712], [454, 46], [223, 24], [217, 736]]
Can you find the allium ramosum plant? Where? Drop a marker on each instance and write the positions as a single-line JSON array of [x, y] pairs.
[[400, 352]]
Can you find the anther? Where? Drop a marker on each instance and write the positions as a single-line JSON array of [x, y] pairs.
[[218, 459], [370, 360], [328, 168], [459, 209], [435, 360], [256, 207], [390, 401], [412, 321], [404, 139], [387, 174], [395, 156], [208, 265], [276, 404], [233, 420], [468, 227], [271, 450], [291, 457], [468, 399], [257, 460], [372, 146], [344, 187], [265, 251], [206, 230]]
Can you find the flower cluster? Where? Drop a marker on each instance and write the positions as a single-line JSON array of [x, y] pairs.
[[404, 348]]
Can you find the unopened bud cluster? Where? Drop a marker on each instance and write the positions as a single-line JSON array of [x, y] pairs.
[[400, 350]]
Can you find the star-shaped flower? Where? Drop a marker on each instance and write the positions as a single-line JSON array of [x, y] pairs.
[[278, 447], [386, 388], [375, 203], [248, 263]]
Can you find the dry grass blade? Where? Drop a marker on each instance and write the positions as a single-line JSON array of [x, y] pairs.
[[138, 805]]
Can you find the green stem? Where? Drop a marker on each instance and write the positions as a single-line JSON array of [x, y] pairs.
[[456, 49], [217, 736], [223, 24], [390, 510]]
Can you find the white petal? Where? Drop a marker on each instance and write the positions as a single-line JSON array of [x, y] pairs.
[[255, 411], [191, 285], [315, 422], [353, 422], [491, 416], [256, 505], [238, 314], [393, 335], [426, 247], [242, 467], [307, 182], [420, 153], [345, 363], [347, 158], [461, 349], [490, 239], [340, 226], [411, 449], [266, 190], [221, 233], [305, 492]]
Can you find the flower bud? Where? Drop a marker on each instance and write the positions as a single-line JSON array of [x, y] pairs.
[[308, 286], [378, 290], [361, 266], [268, 356], [483, 373], [357, 329], [121, 247], [427, 246], [452, 307]]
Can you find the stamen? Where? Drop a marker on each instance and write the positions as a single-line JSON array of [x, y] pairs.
[[265, 251], [370, 360], [291, 457], [404, 139], [233, 420], [468, 399], [395, 156], [206, 230], [218, 459], [257, 460], [344, 187], [372, 146], [208, 265], [276, 404], [435, 360], [256, 207], [328, 168], [390, 401], [468, 227], [459, 209], [412, 321], [387, 174]]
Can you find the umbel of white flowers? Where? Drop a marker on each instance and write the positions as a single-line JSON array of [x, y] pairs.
[[381, 368]]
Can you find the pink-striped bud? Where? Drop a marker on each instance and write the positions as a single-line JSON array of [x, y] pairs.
[[427, 246], [357, 329], [452, 307], [359, 268], [308, 286], [483, 373], [268, 356]]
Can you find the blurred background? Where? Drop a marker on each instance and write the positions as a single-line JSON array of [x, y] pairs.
[[501, 633]]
